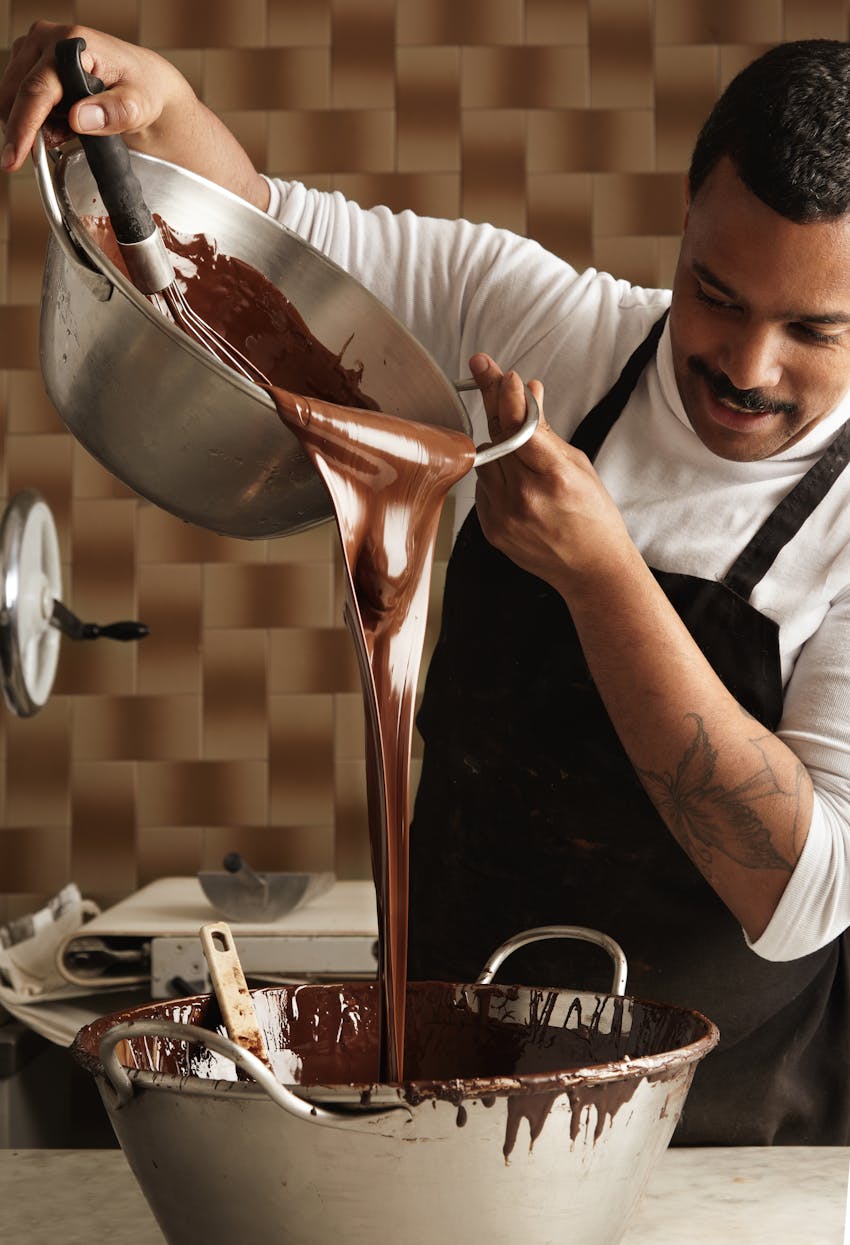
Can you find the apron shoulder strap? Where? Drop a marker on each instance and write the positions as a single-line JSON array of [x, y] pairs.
[[598, 422], [756, 559]]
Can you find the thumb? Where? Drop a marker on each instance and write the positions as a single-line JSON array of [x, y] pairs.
[[116, 111]]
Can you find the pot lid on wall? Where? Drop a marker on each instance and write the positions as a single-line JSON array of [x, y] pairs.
[[32, 615]]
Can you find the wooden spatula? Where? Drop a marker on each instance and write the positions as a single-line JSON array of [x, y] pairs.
[[231, 989]]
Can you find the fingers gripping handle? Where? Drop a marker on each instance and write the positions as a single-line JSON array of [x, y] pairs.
[[488, 453], [120, 189]]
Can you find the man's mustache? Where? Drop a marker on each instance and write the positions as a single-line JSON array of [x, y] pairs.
[[753, 400]]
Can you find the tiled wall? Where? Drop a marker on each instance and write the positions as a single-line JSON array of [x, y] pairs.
[[237, 723]]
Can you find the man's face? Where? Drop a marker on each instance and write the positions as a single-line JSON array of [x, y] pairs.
[[760, 320]]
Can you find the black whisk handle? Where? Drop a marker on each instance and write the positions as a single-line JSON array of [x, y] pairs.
[[107, 154]]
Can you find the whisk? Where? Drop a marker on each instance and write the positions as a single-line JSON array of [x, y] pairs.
[[141, 243]]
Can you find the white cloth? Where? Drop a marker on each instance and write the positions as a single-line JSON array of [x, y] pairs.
[[461, 288], [29, 945]]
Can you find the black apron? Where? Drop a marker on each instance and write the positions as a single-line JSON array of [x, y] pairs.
[[529, 813]]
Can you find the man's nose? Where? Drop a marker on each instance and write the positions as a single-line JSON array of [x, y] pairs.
[[752, 357]]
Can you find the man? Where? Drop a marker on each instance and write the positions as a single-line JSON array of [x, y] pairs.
[[638, 713]]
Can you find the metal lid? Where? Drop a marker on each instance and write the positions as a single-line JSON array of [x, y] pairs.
[[31, 582]]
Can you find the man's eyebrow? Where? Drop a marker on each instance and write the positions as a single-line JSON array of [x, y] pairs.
[[814, 317]]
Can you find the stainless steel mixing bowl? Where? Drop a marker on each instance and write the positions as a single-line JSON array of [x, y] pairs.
[[162, 414]]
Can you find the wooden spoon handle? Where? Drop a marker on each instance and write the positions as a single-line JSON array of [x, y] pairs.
[[231, 989]]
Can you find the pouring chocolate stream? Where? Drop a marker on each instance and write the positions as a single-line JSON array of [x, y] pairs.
[[387, 478]]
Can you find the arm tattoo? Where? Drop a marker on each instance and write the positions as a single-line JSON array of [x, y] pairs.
[[706, 817]]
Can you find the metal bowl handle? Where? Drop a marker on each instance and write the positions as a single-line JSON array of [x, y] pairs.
[[489, 453], [118, 1076], [100, 285], [543, 932]]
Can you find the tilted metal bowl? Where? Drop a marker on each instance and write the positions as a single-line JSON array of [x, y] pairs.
[[164, 416]]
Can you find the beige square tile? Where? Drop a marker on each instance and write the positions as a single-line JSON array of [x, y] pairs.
[[815, 19], [428, 108], [29, 233], [38, 767], [104, 553], [635, 259], [556, 21], [621, 61], [29, 408], [202, 793], [686, 85], [446, 21], [103, 853], [559, 215], [353, 856], [130, 728], [349, 727], [493, 179], [269, 78], [637, 204], [289, 595], [19, 336], [591, 141], [95, 668], [165, 24], [169, 851], [315, 544], [294, 23], [524, 77], [115, 17], [235, 722], [333, 141], [35, 859], [169, 658], [91, 481], [163, 538], [301, 756], [317, 660], [722, 21], [363, 54], [42, 462], [22, 14]]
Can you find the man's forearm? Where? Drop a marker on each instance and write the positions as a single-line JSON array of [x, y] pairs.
[[734, 796], [191, 135]]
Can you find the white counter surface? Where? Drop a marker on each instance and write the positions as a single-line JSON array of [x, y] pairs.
[[769, 1196]]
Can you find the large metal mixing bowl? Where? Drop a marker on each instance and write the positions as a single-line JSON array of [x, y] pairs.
[[531, 1116], [163, 415]]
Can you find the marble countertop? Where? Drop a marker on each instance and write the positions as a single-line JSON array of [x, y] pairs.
[[765, 1196]]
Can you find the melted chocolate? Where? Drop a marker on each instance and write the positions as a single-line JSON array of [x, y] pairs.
[[387, 478], [251, 314]]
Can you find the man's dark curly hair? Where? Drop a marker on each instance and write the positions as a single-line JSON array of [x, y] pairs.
[[784, 121]]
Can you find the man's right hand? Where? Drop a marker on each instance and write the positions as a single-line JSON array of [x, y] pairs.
[[146, 99], [141, 88]]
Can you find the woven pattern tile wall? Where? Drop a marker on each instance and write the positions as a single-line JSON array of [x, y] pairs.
[[237, 724]]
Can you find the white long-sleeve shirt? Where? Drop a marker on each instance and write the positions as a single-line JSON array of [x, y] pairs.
[[462, 288]]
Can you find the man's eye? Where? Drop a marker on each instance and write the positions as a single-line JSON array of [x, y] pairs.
[[806, 330], [711, 302]]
